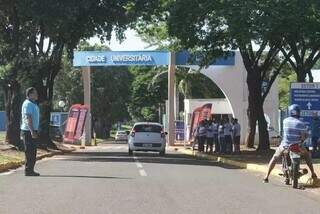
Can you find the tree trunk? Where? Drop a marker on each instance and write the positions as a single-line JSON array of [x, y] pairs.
[[252, 120], [264, 143], [301, 76], [256, 113], [13, 113], [254, 90], [51, 69], [108, 130], [45, 110], [100, 129], [310, 76]]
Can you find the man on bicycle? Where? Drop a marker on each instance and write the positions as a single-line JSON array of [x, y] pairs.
[[294, 131]]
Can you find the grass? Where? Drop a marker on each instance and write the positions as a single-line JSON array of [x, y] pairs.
[[4, 159]]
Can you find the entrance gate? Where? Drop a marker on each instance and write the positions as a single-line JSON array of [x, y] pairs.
[[88, 59]]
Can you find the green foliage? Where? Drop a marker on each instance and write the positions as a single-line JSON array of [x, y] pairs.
[[111, 93], [149, 90], [299, 24], [285, 78], [194, 85], [216, 27], [145, 100], [2, 105], [35, 33], [68, 85]]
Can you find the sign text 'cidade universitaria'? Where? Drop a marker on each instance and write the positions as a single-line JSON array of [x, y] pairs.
[[121, 59]]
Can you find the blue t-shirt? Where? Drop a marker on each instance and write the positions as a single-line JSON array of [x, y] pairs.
[[32, 109], [293, 129]]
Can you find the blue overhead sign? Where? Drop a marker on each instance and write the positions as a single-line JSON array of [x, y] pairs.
[[185, 58], [307, 96], [120, 58], [146, 58]]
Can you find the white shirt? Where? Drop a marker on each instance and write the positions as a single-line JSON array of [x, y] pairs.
[[202, 131], [227, 129], [215, 128], [221, 131], [210, 133], [236, 130]]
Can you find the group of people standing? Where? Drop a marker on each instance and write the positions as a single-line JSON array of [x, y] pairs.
[[223, 135]]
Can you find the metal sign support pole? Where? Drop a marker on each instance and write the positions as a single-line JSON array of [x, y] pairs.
[[87, 101], [171, 83]]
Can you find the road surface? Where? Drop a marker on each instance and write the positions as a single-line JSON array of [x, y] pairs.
[[106, 180]]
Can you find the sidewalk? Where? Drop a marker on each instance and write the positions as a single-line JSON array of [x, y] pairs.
[[10, 158], [251, 160]]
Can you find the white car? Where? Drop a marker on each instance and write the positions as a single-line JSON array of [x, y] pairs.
[[147, 137], [121, 136]]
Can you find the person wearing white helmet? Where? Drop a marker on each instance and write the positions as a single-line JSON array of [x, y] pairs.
[[294, 131]]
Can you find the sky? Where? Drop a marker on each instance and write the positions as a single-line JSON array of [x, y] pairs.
[[131, 43], [316, 75]]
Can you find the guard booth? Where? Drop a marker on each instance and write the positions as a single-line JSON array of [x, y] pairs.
[[88, 59]]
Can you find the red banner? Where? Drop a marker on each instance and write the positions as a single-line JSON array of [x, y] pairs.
[[75, 123], [198, 115]]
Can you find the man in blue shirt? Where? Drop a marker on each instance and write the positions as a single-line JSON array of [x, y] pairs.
[[294, 132], [30, 117]]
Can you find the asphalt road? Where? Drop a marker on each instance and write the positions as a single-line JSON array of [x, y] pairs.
[[106, 180]]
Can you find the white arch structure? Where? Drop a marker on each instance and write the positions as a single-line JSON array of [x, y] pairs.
[[232, 82]]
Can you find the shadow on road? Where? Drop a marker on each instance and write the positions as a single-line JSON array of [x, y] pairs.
[[176, 159], [81, 176]]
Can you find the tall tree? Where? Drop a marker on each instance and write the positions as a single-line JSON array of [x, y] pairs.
[[213, 27], [34, 34]]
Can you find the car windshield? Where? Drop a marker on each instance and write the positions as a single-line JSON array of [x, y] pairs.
[[121, 132], [148, 128]]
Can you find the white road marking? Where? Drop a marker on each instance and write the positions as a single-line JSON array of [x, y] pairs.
[[8, 173], [139, 165], [142, 173]]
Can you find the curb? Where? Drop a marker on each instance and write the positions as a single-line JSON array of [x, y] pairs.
[[11, 165], [16, 164], [248, 166]]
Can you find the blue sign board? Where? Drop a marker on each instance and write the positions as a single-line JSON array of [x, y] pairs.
[[58, 118], [179, 126], [307, 96], [146, 58]]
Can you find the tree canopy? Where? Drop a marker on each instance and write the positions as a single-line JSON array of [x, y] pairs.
[[34, 35], [300, 26], [216, 27]]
